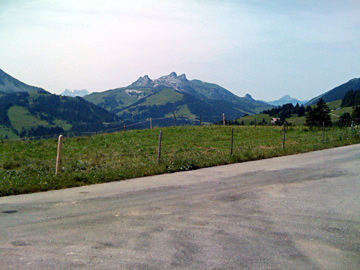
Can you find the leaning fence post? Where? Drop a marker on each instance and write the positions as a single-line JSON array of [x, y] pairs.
[[323, 133], [58, 156], [284, 136], [159, 148], [224, 119], [232, 142], [150, 123]]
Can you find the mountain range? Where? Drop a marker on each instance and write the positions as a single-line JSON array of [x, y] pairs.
[[75, 93], [285, 100], [27, 111], [174, 95]]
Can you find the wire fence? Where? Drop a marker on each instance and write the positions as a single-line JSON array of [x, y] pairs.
[[36, 165], [125, 146]]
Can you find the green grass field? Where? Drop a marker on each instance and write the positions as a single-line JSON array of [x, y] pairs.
[[28, 166], [20, 118]]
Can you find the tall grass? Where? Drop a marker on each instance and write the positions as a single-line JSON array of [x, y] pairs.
[[29, 166]]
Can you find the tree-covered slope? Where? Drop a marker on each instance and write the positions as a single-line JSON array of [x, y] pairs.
[[35, 114], [338, 92], [31, 111]]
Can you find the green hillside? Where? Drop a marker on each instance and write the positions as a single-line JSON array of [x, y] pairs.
[[337, 92], [27, 111], [169, 102], [37, 114], [116, 99]]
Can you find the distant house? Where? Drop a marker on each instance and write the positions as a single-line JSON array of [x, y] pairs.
[[275, 120]]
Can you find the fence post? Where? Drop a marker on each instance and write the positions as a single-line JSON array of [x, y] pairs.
[[284, 135], [224, 119], [124, 127], [323, 133], [58, 156], [174, 119], [150, 123], [232, 142], [352, 128], [159, 148], [200, 120]]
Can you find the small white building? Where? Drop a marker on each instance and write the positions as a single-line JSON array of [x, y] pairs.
[[274, 120]]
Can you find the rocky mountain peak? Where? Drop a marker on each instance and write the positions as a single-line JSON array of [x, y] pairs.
[[249, 97], [173, 75], [142, 82], [75, 93], [183, 78]]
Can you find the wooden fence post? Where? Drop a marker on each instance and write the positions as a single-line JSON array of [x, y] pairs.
[[159, 148], [150, 123], [232, 142], [224, 119], [284, 135], [174, 119], [58, 156], [124, 127]]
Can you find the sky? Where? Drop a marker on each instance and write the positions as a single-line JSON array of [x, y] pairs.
[[266, 48]]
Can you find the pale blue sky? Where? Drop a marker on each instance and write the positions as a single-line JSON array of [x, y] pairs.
[[266, 48]]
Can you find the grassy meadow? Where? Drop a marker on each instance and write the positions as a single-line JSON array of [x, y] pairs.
[[29, 166]]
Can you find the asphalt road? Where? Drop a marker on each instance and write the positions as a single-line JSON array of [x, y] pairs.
[[295, 212]]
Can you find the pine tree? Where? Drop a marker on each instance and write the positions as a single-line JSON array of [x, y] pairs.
[[356, 114], [319, 115]]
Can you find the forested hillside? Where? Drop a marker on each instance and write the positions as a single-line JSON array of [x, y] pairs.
[[27, 111]]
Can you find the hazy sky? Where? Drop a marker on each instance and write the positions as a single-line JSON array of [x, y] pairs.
[[266, 48]]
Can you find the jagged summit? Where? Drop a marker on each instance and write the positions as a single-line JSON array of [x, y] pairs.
[[173, 74], [143, 82], [75, 93], [182, 77]]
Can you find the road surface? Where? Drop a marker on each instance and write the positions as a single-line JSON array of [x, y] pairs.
[[294, 212]]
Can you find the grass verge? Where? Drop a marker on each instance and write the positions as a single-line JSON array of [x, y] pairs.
[[28, 166]]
